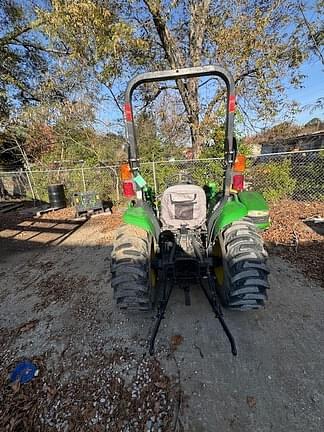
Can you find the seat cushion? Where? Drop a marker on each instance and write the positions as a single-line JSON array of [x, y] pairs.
[[183, 205]]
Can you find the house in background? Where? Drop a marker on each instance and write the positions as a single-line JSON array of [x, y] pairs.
[[287, 137]]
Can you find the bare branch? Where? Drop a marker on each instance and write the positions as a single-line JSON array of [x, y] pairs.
[[311, 35], [38, 47], [156, 95]]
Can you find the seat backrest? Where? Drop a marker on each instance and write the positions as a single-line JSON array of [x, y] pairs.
[[183, 204]]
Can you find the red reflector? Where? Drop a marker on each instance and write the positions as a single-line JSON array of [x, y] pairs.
[[238, 182], [231, 104], [128, 112], [128, 189]]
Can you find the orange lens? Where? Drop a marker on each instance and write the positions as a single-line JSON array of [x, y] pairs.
[[125, 172], [239, 164]]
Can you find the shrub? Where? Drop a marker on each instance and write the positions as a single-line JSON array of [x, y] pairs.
[[273, 179]]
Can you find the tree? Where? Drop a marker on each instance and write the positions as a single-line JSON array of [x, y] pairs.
[[96, 38], [48, 94], [151, 146], [260, 42], [65, 51], [314, 28], [26, 60]]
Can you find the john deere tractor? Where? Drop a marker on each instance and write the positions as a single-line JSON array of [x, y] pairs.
[[191, 234]]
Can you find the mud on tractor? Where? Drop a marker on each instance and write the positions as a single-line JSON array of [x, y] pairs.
[[211, 238]]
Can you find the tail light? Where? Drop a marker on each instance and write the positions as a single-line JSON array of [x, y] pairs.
[[126, 176], [238, 176], [128, 189], [238, 182]]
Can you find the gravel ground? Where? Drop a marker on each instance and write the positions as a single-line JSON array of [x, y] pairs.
[[94, 372]]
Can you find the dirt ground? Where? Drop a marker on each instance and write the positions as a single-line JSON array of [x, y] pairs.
[[56, 308]]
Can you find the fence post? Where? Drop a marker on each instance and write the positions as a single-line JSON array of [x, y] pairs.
[[83, 179], [155, 186], [154, 176], [117, 185], [30, 185]]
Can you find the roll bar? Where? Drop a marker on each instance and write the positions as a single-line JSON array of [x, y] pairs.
[[176, 74]]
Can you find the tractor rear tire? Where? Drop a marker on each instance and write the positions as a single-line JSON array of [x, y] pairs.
[[245, 273], [132, 280]]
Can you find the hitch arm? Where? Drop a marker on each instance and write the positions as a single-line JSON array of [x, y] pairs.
[[212, 298], [161, 311]]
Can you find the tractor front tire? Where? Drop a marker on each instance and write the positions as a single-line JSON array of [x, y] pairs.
[[244, 278], [132, 279]]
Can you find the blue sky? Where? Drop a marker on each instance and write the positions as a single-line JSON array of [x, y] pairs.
[[313, 88]]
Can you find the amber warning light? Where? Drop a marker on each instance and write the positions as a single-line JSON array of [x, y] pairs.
[[238, 176], [127, 180], [240, 163], [125, 172]]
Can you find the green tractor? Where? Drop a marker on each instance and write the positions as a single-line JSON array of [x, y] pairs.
[[194, 234]]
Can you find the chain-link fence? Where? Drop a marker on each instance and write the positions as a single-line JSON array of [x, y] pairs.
[[296, 175], [34, 183]]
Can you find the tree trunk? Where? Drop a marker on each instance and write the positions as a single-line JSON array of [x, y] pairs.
[[193, 118], [177, 59], [197, 138]]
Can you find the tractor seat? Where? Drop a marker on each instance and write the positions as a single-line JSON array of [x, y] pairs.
[[183, 205]]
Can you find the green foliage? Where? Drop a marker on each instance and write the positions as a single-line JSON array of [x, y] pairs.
[[95, 35], [273, 179], [209, 171]]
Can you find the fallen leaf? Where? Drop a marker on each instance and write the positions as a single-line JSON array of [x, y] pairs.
[[15, 386], [251, 401], [157, 407], [51, 392], [176, 340]]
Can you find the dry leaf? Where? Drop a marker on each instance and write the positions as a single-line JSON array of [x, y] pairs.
[[15, 386], [251, 401], [176, 340]]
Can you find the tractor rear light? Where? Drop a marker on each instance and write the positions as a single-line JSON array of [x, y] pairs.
[[128, 113], [239, 164], [231, 104], [238, 182], [125, 172], [128, 189]]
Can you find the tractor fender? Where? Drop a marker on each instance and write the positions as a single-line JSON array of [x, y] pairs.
[[253, 201], [141, 215], [248, 205], [257, 208], [232, 211]]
